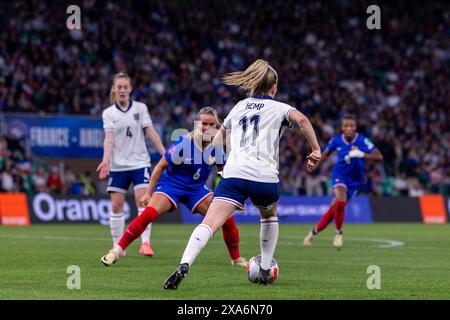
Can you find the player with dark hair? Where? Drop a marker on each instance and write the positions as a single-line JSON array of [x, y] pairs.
[[347, 177]]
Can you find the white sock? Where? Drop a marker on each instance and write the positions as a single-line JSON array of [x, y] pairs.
[[198, 240], [268, 237], [117, 224], [145, 236], [118, 249]]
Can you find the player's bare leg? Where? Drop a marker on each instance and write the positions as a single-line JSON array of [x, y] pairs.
[[217, 214], [145, 248], [268, 238], [340, 194], [157, 205], [117, 218], [230, 234]]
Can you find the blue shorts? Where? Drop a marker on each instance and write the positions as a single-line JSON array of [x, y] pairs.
[[352, 186], [119, 181], [236, 191], [190, 198]]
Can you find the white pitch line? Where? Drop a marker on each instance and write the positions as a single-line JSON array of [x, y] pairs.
[[386, 243]]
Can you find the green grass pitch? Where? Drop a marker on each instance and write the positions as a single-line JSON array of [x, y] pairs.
[[414, 260]]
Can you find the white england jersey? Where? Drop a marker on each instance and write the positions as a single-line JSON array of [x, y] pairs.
[[129, 150], [255, 126]]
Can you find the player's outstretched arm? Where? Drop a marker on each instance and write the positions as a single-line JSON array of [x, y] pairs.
[[375, 155], [325, 155], [155, 139], [103, 167], [219, 138], [156, 174], [306, 128]]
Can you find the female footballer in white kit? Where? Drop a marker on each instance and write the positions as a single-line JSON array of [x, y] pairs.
[[125, 158], [254, 126]]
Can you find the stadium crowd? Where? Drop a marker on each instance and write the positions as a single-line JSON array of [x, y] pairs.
[[395, 80], [19, 173]]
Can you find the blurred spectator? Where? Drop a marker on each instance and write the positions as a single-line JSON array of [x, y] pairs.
[[69, 178], [415, 189], [76, 186], [437, 178], [3, 151], [54, 183], [88, 185], [387, 187], [14, 144], [401, 184], [7, 181], [40, 180]]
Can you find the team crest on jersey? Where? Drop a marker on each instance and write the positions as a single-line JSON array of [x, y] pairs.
[[212, 160], [355, 148], [136, 117]]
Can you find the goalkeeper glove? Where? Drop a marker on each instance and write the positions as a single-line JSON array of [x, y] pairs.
[[354, 154]]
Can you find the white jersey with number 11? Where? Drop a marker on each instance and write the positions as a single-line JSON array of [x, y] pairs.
[[255, 126]]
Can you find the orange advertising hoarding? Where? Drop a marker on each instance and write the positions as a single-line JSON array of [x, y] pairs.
[[433, 209], [14, 209]]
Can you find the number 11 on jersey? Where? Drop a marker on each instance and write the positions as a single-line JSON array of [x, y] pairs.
[[254, 120]]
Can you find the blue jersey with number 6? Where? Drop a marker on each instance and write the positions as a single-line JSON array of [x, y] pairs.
[[189, 166]]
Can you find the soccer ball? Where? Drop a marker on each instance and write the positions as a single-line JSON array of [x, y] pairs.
[[253, 269]]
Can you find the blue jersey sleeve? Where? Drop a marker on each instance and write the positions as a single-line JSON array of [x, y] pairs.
[[366, 145], [174, 154], [331, 146]]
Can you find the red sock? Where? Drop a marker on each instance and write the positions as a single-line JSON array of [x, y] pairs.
[[230, 234], [339, 214], [137, 226], [326, 219]]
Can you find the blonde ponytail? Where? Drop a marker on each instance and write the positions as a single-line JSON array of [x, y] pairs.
[[112, 94], [258, 78]]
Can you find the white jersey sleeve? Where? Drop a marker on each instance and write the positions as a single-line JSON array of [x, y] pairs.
[[227, 122], [107, 121], [255, 126], [285, 110], [146, 119]]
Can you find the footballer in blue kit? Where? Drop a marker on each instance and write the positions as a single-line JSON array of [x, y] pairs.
[[347, 177], [180, 177], [188, 169]]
